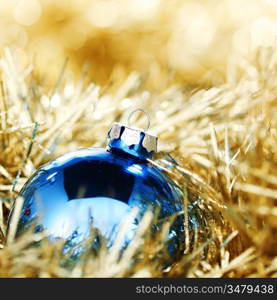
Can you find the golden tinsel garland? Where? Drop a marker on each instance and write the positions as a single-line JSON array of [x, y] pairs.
[[223, 140]]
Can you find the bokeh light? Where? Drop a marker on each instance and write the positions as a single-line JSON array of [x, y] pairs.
[[192, 38], [27, 12]]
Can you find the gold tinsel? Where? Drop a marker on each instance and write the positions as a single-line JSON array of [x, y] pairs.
[[204, 70]]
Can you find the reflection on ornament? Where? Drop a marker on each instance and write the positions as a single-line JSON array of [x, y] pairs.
[[101, 187]]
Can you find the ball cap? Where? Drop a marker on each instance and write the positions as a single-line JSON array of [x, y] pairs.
[[132, 140]]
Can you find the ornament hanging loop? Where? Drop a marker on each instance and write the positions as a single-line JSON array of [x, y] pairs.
[[143, 111]]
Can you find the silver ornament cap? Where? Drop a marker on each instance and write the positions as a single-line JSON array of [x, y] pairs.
[[132, 140]]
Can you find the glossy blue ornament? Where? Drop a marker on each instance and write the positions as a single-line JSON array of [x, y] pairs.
[[100, 187]]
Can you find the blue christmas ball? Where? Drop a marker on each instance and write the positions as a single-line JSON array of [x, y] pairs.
[[100, 187]]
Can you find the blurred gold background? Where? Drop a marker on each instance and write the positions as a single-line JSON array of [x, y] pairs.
[[190, 41]]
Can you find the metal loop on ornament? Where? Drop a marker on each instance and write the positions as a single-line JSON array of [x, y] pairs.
[[143, 111]]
